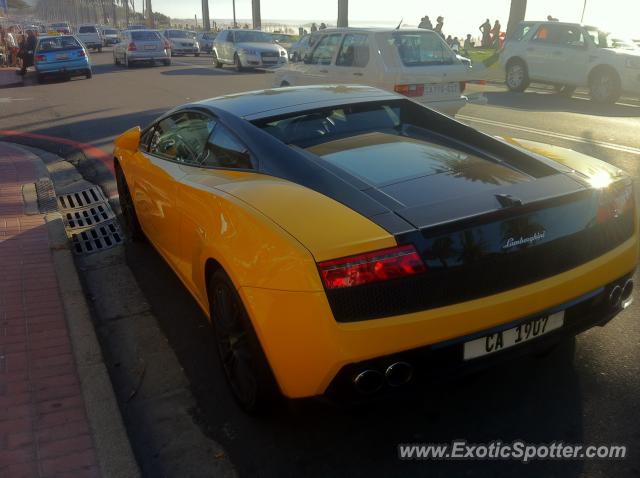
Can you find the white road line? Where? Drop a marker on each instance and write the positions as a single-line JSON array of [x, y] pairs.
[[549, 134]]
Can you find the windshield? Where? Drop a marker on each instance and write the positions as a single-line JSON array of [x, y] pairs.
[[610, 40], [110, 32], [57, 44], [178, 34], [87, 30], [422, 49], [252, 37]]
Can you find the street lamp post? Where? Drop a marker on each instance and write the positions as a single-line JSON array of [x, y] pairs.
[[343, 13], [255, 13], [235, 24]]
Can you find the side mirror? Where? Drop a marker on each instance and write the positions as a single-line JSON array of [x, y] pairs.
[[129, 140]]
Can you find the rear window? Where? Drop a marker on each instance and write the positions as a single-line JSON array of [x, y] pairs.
[[145, 36], [87, 30], [422, 48], [58, 44], [321, 126], [110, 32], [177, 34]]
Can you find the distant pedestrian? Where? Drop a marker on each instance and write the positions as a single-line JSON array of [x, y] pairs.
[[425, 23], [485, 29], [455, 45], [314, 28], [495, 34], [322, 26], [468, 44], [439, 25], [552, 19], [27, 49], [11, 41], [449, 40]]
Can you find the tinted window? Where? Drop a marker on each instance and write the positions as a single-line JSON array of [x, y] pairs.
[[177, 34], [58, 43], [145, 36], [323, 53], [181, 137], [225, 151], [354, 51], [87, 30], [322, 126], [520, 32], [543, 35], [569, 36], [422, 49]]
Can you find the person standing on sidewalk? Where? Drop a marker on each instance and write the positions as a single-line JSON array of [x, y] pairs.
[[12, 46], [28, 48], [439, 25]]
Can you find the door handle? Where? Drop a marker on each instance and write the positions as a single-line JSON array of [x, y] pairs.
[[357, 74], [324, 71]]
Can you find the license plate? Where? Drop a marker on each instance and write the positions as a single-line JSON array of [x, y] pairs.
[[442, 89], [149, 47], [62, 57], [508, 338]]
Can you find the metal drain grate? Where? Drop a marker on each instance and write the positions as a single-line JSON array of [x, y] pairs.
[[97, 238], [46, 196], [81, 199], [87, 217]]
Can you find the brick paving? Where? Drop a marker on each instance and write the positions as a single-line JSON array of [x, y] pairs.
[[44, 430]]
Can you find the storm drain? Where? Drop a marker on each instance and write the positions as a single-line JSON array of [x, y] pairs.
[[83, 198], [90, 222]]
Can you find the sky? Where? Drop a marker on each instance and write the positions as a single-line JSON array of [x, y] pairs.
[[461, 16]]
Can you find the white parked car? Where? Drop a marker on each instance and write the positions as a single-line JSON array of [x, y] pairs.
[[416, 63], [570, 55], [91, 37], [247, 49]]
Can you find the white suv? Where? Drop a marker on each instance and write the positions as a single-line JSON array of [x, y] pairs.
[[569, 55], [415, 63]]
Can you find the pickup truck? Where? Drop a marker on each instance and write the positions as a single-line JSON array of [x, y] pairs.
[[90, 36]]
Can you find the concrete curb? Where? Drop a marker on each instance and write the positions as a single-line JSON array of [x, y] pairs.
[[113, 450]]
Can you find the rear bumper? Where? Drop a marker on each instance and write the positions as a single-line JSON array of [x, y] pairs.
[[307, 349], [449, 107], [69, 67], [185, 51], [148, 55]]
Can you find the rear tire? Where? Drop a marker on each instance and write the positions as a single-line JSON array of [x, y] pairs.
[[605, 87], [197, 54], [88, 75], [216, 62], [243, 361], [129, 217], [284, 84], [40, 78], [517, 76], [167, 62]]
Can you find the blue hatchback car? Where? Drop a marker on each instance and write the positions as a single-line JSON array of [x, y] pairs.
[[61, 55]]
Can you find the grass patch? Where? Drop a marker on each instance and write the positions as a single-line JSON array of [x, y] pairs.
[[486, 56]]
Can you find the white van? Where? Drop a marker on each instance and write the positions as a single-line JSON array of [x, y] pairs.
[[416, 63], [91, 37]]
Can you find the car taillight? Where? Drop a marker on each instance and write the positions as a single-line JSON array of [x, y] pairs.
[[410, 90], [377, 266], [615, 203], [132, 47], [40, 58], [81, 53], [463, 86]]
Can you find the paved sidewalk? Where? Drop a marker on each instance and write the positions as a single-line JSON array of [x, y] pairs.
[[44, 429], [8, 77]]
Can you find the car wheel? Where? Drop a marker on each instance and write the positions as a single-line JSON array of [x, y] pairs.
[[40, 78], [565, 90], [127, 63], [284, 84], [517, 78], [243, 361], [88, 75], [197, 54], [129, 217], [294, 57], [100, 50], [215, 60], [167, 62], [604, 86], [237, 63]]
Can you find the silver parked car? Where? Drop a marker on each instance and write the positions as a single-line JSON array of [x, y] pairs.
[[247, 49], [182, 42], [205, 39], [141, 45]]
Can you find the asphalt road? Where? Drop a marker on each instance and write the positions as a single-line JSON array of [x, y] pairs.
[[590, 399]]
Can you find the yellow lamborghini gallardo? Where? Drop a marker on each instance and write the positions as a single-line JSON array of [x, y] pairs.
[[343, 238]]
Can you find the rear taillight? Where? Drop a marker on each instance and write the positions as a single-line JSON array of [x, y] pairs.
[[132, 47], [614, 203], [41, 58], [81, 53], [463, 86], [410, 90], [377, 266]]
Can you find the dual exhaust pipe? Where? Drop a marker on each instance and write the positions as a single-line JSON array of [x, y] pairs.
[[370, 381], [620, 295]]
